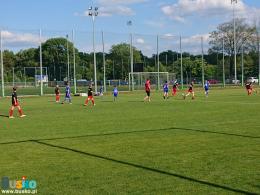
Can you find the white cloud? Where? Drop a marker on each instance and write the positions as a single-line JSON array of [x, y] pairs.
[[115, 7], [19, 39], [206, 8], [116, 10], [140, 41]]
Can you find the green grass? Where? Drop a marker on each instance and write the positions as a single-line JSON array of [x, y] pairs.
[[202, 146]]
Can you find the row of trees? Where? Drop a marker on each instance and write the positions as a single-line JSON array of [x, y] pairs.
[[55, 52]]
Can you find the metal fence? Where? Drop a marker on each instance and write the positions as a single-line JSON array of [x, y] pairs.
[[37, 60]]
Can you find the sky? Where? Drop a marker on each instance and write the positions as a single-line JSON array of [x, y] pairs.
[[22, 19]]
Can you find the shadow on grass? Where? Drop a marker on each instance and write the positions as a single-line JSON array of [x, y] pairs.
[[141, 131], [4, 116], [147, 168]]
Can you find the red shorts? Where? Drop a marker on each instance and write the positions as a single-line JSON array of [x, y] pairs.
[[15, 105], [90, 97], [190, 91]]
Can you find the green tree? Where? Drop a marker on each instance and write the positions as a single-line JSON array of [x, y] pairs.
[[120, 56], [54, 56], [244, 37]]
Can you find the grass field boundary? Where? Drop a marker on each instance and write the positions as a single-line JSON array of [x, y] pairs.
[[132, 132], [190, 179]]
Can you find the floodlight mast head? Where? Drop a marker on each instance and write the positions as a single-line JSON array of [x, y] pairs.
[[93, 11]]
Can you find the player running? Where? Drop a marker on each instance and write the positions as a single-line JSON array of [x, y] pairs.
[[90, 96], [175, 88], [165, 90], [15, 103], [190, 91], [57, 93], [147, 90], [249, 88], [67, 94], [115, 93], [206, 88]]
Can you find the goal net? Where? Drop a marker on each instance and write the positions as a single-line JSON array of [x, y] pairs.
[[157, 79]]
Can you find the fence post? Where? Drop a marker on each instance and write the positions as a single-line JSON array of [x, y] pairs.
[[181, 63], [74, 63], [202, 62], [158, 64], [41, 82], [104, 63], [223, 61], [2, 64]]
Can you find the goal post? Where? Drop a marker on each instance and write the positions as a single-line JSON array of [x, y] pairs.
[[157, 79]]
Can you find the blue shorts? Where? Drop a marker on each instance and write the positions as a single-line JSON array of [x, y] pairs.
[[115, 94], [166, 90]]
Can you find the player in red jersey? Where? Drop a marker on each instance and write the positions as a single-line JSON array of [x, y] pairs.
[[57, 93], [147, 87], [15, 103], [190, 92], [90, 96], [249, 88], [175, 88]]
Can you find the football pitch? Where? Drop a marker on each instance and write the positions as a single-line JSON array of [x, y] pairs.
[[175, 146]]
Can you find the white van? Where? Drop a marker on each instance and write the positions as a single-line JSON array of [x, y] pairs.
[[252, 79]]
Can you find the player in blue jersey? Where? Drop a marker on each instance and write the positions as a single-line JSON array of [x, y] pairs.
[[206, 88], [115, 93], [67, 94], [165, 90]]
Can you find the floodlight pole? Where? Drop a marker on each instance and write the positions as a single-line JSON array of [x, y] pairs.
[[258, 48], [129, 23], [181, 63], [158, 64], [104, 63], [13, 76], [74, 63], [2, 64], [93, 12], [242, 66], [223, 62], [41, 83], [233, 2], [202, 61], [68, 59]]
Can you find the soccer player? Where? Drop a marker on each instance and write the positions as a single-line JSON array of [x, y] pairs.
[[249, 88], [57, 93], [190, 91], [15, 103], [67, 94], [147, 90], [90, 96], [174, 88], [206, 88], [165, 90], [101, 90], [115, 93]]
